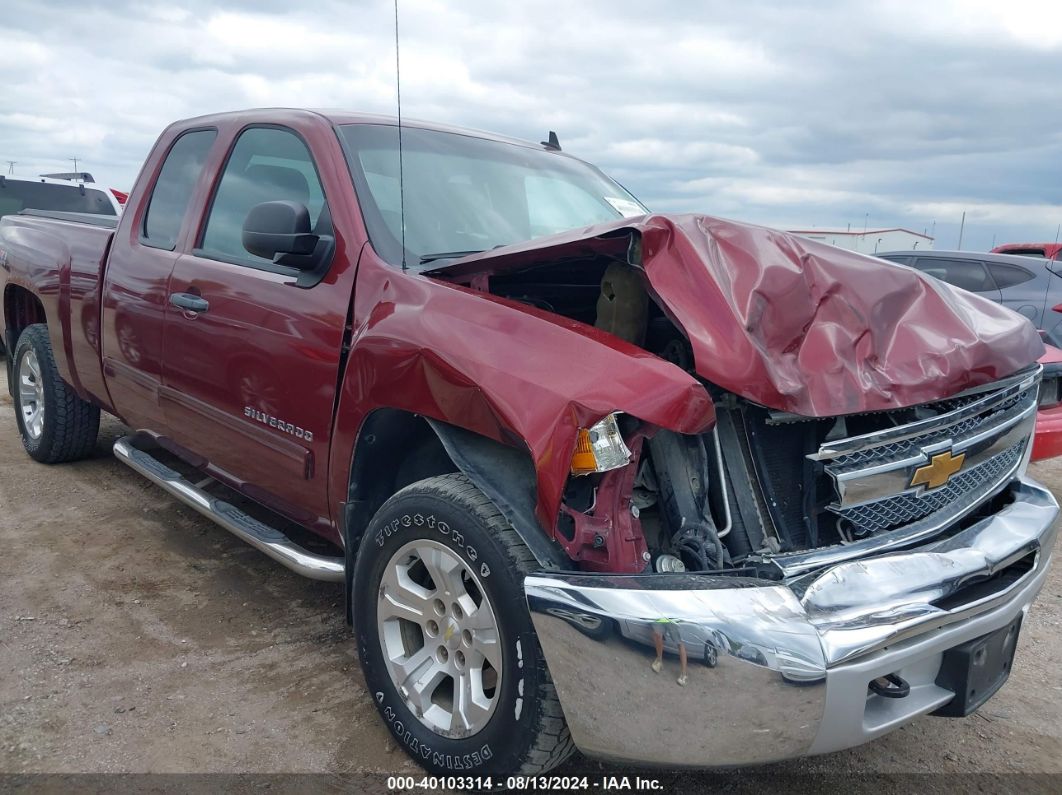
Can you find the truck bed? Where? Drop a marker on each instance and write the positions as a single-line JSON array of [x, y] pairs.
[[60, 257], [94, 219]]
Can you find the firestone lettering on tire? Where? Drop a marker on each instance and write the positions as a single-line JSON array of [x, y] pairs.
[[417, 520]]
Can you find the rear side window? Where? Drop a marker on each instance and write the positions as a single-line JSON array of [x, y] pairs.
[[16, 195], [965, 273], [173, 190], [267, 164], [1009, 275]]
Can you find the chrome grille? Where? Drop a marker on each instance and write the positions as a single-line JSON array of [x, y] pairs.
[[902, 509], [903, 449], [982, 436]]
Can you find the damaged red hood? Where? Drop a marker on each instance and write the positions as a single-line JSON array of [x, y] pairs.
[[794, 324]]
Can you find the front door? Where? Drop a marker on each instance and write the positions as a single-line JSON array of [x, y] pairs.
[[251, 360], [1023, 289]]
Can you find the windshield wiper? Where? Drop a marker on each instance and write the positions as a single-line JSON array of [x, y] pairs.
[[426, 258]]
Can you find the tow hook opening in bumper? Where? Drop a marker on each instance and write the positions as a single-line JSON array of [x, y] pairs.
[[773, 672], [890, 686]]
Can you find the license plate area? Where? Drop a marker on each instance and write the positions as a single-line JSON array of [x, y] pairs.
[[975, 670]]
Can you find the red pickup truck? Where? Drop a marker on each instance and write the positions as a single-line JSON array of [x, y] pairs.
[[668, 489]]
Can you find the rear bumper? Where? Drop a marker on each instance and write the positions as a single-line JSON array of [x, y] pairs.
[[781, 670]]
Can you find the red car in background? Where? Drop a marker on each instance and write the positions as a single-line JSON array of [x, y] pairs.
[[1047, 441], [1050, 251]]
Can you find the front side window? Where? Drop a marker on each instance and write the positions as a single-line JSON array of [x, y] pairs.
[[464, 194], [965, 273], [173, 189], [266, 164]]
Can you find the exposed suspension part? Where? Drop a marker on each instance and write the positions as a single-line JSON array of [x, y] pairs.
[[681, 470]]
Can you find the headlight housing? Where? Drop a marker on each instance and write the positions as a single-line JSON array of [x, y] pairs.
[[600, 448]]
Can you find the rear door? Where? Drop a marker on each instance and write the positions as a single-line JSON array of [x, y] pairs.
[[250, 378], [137, 281], [969, 274], [1023, 289]]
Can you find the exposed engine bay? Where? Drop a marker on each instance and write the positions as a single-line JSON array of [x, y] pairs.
[[759, 485]]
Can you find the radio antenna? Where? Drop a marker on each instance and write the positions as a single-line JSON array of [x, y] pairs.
[[401, 171]]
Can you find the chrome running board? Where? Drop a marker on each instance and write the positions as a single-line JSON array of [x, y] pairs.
[[259, 535]]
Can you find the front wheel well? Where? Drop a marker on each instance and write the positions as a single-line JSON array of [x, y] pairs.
[[397, 448], [394, 449]]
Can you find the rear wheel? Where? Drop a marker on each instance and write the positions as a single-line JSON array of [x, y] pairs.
[[55, 424], [445, 638]]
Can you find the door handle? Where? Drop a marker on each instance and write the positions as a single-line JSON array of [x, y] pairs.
[[189, 302]]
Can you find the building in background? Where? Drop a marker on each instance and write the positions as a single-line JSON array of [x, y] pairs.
[[869, 242]]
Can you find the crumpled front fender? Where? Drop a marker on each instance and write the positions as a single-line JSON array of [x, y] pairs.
[[501, 369]]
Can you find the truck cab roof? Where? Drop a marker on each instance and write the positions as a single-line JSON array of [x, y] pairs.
[[339, 117]]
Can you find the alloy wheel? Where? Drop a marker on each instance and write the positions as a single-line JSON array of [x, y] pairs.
[[31, 394], [440, 638]]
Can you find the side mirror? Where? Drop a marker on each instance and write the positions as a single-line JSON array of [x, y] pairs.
[[278, 228]]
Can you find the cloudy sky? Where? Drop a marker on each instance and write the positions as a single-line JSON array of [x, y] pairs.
[[791, 114]]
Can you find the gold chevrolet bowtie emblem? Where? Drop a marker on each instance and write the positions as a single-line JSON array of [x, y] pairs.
[[938, 471]]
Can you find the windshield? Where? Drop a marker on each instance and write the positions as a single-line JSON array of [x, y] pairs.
[[466, 194], [16, 195]]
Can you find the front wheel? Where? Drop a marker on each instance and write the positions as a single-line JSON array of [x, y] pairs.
[[445, 638]]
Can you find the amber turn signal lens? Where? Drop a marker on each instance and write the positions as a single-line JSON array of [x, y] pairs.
[[583, 461], [600, 448]]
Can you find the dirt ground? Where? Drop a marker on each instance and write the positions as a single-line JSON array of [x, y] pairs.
[[137, 637]]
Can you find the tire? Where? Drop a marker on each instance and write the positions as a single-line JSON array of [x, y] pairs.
[[597, 628], [447, 525], [711, 655], [54, 423]]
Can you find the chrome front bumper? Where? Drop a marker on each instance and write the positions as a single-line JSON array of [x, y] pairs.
[[778, 670]]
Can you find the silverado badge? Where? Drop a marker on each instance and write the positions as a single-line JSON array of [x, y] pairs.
[[280, 425], [938, 471]]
